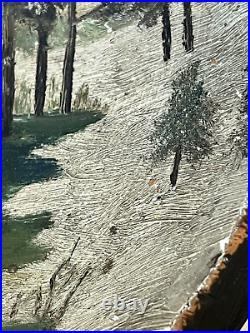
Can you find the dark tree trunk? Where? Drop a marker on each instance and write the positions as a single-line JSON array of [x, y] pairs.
[[41, 70], [166, 32], [177, 160], [68, 66], [8, 67], [188, 38]]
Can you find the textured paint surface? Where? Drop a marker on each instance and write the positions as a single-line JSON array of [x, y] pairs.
[[161, 248]]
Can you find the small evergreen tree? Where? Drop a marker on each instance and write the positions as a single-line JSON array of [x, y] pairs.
[[186, 129]]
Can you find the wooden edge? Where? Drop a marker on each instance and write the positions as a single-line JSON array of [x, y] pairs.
[[189, 311]]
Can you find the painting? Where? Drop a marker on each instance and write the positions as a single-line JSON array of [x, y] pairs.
[[124, 166]]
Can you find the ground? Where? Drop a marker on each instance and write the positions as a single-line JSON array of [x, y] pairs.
[[162, 248]]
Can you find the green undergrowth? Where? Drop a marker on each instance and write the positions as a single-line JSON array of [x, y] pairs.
[[44, 325], [22, 167]]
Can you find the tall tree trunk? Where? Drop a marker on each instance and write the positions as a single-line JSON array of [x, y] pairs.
[[68, 66], [8, 67], [177, 160], [41, 70], [166, 32], [188, 38]]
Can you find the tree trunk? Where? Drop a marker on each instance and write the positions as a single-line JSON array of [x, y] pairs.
[[177, 160], [41, 71], [8, 68], [166, 32], [68, 66], [188, 38]]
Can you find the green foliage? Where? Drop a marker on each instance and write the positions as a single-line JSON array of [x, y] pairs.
[[239, 136], [40, 15], [147, 12], [18, 232], [89, 30], [33, 17], [59, 34], [81, 97], [83, 102], [20, 167], [53, 94], [25, 38], [41, 325], [26, 35], [22, 102], [150, 12], [189, 121]]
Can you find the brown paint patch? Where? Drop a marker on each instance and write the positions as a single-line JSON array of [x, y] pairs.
[[214, 61], [221, 300], [152, 181]]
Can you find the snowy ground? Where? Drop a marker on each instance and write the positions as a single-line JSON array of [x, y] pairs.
[[162, 248]]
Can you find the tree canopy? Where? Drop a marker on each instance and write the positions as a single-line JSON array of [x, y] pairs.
[[189, 121]]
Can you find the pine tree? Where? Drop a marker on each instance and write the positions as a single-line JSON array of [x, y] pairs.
[[186, 128]]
